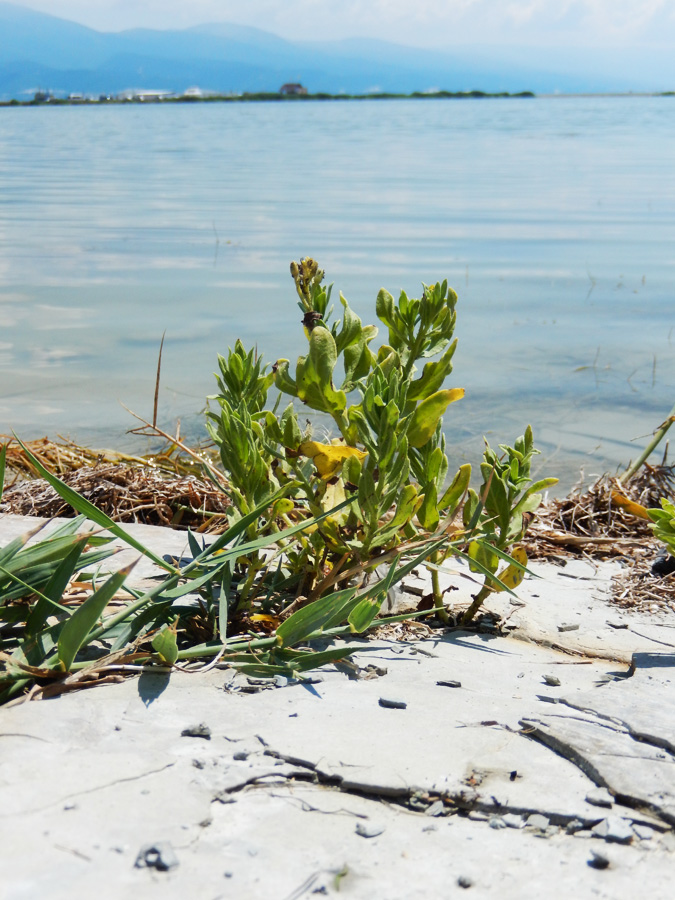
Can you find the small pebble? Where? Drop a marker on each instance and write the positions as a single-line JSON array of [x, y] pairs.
[[552, 680], [368, 829], [464, 882], [280, 680], [390, 703], [240, 755], [200, 731], [568, 627], [537, 820], [574, 826], [497, 822], [598, 861], [450, 684], [512, 820]]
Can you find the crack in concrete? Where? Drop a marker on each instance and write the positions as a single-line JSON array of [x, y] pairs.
[[415, 800], [565, 748], [94, 790], [638, 735]]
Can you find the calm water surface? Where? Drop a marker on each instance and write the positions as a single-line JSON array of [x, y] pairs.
[[553, 218]]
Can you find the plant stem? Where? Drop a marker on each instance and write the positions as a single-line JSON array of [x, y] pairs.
[[658, 436], [439, 607], [478, 601]]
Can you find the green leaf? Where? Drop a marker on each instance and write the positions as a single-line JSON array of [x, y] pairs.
[[76, 629], [427, 514], [165, 643], [426, 416], [88, 509], [453, 496], [432, 377], [362, 615], [326, 612]]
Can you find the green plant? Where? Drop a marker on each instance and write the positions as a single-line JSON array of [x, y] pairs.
[[57, 645], [383, 473]]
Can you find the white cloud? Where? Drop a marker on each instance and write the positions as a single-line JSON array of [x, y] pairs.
[[406, 21]]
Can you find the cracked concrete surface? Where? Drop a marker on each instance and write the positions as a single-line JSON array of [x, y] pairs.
[[491, 787]]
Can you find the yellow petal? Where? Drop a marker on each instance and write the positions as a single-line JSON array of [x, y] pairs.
[[629, 506], [328, 458], [511, 576]]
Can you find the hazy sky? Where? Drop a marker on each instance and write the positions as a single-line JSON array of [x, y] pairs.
[[422, 22]]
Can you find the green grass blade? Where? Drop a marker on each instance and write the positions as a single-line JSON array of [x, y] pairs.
[[83, 506], [11, 549], [320, 614], [76, 630], [3, 458], [54, 589]]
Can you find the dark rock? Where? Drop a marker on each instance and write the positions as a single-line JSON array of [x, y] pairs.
[[200, 731], [664, 564], [390, 703], [464, 882], [598, 861], [450, 684], [158, 856]]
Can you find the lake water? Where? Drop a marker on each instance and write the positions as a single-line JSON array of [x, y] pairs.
[[553, 218]]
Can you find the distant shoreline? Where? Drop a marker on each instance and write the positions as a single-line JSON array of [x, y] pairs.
[[145, 98], [274, 97]]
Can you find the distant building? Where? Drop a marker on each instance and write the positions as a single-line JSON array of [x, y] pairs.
[[145, 96], [296, 90]]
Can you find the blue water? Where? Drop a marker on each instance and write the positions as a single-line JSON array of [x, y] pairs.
[[553, 218]]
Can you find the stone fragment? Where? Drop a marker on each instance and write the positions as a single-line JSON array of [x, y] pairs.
[[200, 731], [512, 820], [477, 816], [280, 680], [241, 755], [574, 826], [450, 684], [537, 821], [436, 809], [392, 703], [600, 797], [497, 822], [464, 882], [568, 626], [614, 830], [158, 856], [369, 829], [643, 832], [551, 680]]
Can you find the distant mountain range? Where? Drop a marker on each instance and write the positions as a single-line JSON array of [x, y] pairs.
[[39, 51]]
